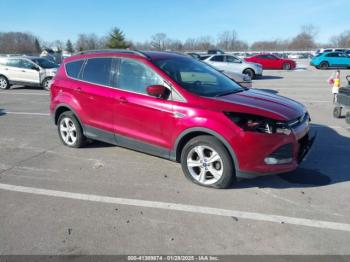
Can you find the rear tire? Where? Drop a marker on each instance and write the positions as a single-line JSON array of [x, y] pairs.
[[287, 66], [4, 83], [70, 131], [206, 162], [324, 65], [337, 112], [249, 72]]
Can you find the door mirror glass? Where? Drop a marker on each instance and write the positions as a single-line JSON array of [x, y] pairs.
[[158, 91]]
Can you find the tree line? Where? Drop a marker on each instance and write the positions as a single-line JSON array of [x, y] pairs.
[[27, 43]]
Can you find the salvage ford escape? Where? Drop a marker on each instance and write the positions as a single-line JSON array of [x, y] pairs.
[[175, 107]]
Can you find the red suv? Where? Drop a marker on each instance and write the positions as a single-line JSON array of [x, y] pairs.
[[173, 106]]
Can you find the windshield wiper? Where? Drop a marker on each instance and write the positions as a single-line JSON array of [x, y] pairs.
[[229, 92]]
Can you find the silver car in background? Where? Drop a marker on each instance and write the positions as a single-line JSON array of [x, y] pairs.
[[234, 64], [27, 71]]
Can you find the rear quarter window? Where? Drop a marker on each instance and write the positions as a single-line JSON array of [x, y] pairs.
[[3, 61], [73, 68]]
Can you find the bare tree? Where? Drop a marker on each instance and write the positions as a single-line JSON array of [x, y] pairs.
[[18, 43], [304, 40], [204, 43], [158, 41], [89, 42], [190, 44], [342, 40]]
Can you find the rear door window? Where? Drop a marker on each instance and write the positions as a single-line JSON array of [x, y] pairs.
[[73, 68], [98, 71]]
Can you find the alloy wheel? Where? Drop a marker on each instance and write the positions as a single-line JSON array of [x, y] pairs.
[[68, 131], [3, 83], [205, 165]]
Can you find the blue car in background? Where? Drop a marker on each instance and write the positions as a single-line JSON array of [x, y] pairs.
[[331, 59]]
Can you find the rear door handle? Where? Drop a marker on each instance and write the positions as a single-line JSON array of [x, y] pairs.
[[79, 89], [123, 100]]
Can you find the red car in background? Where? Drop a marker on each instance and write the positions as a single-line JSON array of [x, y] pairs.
[[269, 61]]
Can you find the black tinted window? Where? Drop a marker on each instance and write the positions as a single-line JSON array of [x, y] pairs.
[[73, 68], [218, 58], [333, 55], [98, 70]]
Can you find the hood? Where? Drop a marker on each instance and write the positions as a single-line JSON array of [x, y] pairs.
[[50, 71], [287, 109]]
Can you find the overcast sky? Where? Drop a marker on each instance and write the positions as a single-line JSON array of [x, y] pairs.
[[179, 19]]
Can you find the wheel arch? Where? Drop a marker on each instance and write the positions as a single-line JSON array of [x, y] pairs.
[[248, 68], [190, 133], [8, 80], [61, 108], [47, 77]]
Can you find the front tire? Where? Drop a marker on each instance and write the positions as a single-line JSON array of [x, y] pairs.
[[206, 162], [249, 72], [324, 65], [46, 83], [287, 66], [4, 83], [70, 131]]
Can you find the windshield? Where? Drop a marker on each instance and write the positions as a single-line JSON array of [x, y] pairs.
[[197, 77], [44, 63]]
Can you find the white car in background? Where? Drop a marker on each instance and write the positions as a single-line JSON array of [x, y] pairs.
[[27, 71], [233, 64]]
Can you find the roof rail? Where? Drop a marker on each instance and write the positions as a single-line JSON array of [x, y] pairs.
[[122, 51]]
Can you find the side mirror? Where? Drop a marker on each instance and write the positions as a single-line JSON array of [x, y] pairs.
[[35, 68], [157, 91]]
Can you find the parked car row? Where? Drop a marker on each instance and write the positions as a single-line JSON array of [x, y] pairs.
[[27, 71]]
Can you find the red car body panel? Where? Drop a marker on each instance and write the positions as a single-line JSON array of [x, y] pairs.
[[162, 123], [276, 63]]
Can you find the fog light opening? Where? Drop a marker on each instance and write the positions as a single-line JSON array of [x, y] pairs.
[[276, 161]]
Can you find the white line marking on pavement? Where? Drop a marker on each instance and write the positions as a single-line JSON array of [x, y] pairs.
[[16, 93], [316, 101], [181, 207], [26, 113]]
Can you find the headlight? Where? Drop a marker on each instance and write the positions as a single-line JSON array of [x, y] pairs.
[[254, 123]]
